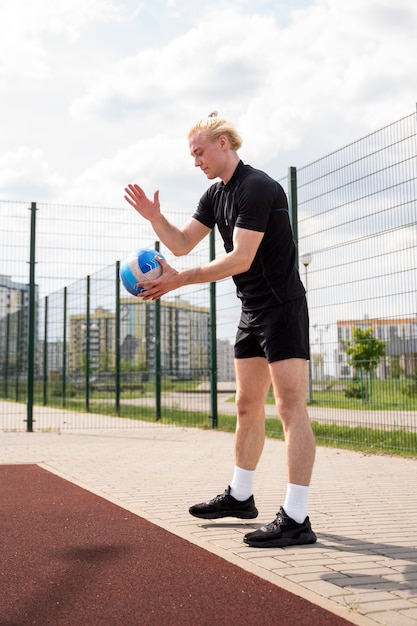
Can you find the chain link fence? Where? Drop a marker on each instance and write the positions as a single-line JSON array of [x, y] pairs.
[[97, 351]]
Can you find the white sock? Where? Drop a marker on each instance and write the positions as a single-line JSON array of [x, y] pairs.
[[295, 504], [241, 487]]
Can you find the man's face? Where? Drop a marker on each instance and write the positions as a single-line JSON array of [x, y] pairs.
[[209, 156]]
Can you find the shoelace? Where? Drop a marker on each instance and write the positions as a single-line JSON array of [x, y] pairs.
[[220, 496], [276, 522]]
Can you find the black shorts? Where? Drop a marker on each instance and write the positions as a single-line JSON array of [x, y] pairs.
[[277, 333]]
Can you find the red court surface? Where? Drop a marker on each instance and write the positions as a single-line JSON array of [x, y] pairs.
[[69, 557]]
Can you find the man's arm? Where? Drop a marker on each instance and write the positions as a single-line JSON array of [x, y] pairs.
[[245, 245], [179, 240]]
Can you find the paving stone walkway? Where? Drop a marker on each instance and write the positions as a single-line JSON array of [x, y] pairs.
[[363, 508]]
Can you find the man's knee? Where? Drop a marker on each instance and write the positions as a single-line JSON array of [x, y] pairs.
[[293, 411]]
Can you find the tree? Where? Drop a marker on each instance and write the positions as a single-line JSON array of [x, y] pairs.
[[365, 351]]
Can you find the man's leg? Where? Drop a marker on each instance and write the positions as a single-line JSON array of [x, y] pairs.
[[252, 385], [289, 380]]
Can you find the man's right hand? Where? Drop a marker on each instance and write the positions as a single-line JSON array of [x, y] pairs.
[[148, 209]]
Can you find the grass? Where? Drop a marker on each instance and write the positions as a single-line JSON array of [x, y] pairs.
[[368, 440], [386, 395]]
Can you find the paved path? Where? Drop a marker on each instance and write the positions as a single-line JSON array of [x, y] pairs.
[[362, 507], [384, 420]]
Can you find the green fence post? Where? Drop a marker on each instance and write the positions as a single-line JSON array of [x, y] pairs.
[[6, 362], [31, 323], [18, 357], [213, 341], [87, 347], [293, 210], [64, 352], [45, 354], [117, 341], [293, 206], [158, 390]]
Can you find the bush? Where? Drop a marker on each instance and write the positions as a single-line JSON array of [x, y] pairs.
[[410, 389], [353, 390]]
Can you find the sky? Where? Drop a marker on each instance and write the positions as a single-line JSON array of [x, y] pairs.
[[96, 94]]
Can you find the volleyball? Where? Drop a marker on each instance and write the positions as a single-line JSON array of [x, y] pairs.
[[139, 267]]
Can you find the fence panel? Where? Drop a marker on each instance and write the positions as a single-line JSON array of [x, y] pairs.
[[14, 299], [357, 248], [357, 231], [76, 305]]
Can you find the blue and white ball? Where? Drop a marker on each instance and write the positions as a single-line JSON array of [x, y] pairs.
[[139, 267]]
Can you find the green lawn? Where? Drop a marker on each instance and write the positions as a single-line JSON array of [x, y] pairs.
[[386, 395], [368, 440]]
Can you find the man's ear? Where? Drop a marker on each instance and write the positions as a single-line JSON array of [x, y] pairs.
[[224, 142]]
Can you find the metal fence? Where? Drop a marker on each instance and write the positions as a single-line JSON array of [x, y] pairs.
[[357, 225], [98, 351]]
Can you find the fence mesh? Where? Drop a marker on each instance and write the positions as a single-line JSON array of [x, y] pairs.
[[357, 249], [357, 227]]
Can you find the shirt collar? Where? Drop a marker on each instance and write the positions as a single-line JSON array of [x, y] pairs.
[[234, 177]]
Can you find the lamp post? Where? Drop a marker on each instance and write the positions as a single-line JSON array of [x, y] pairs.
[[306, 260]]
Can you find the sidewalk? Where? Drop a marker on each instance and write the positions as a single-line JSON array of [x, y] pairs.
[[363, 508]]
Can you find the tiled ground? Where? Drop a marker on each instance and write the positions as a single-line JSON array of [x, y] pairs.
[[363, 508]]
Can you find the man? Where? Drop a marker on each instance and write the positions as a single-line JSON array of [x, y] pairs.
[[272, 346]]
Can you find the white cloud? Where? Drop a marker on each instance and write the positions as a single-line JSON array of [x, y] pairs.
[[25, 174], [331, 65], [208, 63], [26, 26], [296, 88]]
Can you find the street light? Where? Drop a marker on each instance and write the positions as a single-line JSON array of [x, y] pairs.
[[306, 260]]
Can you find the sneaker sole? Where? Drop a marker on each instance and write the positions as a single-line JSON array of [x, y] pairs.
[[282, 542], [219, 514]]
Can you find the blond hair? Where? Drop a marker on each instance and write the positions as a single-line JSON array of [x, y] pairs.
[[213, 127]]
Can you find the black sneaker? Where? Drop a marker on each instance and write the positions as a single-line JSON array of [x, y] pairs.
[[225, 505], [283, 531]]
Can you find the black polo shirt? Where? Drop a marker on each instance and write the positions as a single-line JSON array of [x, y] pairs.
[[253, 200]]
